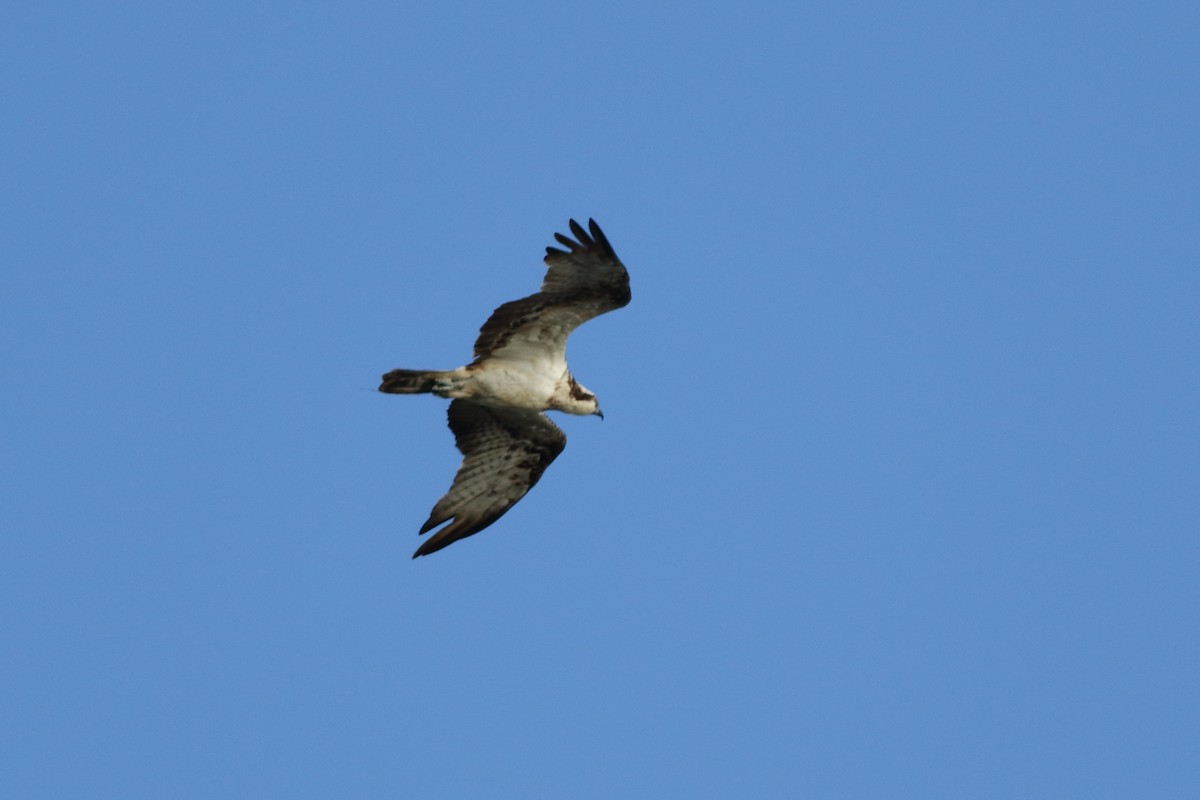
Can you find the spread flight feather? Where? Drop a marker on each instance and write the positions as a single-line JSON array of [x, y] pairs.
[[520, 371]]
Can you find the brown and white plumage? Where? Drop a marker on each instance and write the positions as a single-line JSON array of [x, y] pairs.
[[505, 451], [582, 282], [519, 371]]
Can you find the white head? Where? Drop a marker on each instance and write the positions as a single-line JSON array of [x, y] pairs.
[[577, 399]]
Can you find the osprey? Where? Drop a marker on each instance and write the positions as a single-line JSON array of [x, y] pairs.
[[519, 371]]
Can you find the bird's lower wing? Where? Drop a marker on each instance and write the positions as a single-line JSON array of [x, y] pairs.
[[505, 452]]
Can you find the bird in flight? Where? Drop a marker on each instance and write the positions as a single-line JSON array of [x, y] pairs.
[[519, 372]]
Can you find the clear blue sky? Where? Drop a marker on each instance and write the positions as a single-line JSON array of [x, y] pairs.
[[898, 493]]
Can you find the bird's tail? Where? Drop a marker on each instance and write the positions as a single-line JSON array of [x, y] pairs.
[[409, 381]]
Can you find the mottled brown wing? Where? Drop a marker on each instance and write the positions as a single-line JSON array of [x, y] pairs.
[[583, 281], [505, 451]]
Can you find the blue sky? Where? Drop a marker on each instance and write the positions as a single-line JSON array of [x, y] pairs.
[[897, 494]]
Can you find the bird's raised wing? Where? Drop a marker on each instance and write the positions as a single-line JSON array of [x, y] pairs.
[[583, 281], [505, 451]]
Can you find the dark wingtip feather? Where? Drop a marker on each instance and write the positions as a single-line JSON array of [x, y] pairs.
[[433, 545], [580, 234], [600, 238]]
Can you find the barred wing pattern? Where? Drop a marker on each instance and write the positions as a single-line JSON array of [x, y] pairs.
[[505, 451]]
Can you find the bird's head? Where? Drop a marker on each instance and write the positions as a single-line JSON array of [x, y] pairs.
[[581, 401], [588, 404]]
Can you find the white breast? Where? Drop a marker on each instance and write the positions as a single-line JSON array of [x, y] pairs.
[[515, 383]]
